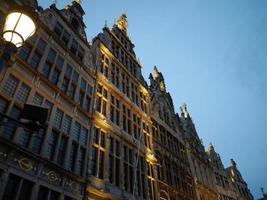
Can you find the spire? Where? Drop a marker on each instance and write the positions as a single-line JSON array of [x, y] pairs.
[[210, 147], [122, 22], [233, 164], [156, 72]]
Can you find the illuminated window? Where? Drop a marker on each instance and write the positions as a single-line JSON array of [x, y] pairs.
[[101, 100]]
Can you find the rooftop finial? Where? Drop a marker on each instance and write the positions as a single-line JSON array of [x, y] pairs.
[[184, 110], [79, 1], [232, 162], [122, 22], [210, 147], [156, 72]]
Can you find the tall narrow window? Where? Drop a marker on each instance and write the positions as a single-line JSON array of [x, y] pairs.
[[58, 119], [98, 153], [10, 127], [52, 145], [36, 58], [22, 94], [11, 187], [62, 150], [10, 86], [73, 154], [114, 162]]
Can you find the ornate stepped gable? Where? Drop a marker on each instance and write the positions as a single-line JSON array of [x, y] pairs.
[[72, 15], [240, 185], [161, 100]]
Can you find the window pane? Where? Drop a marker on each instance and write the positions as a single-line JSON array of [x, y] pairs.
[[35, 60], [38, 140], [59, 62], [94, 158], [66, 37], [37, 99], [41, 44], [24, 138], [24, 52], [75, 76], [68, 71], [83, 84], [10, 126], [55, 76], [64, 85], [11, 187], [51, 55], [49, 106], [76, 131], [3, 105], [84, 134], [26, 190], [89, 90], [46, 69], [101, 165], [43, 193], [58, 119], [102, 139], [80, 161], [52, 145], [66, 125], [61, 151], [10, 86], [96, 136], [22, 94], [73, 153], [58, 29], [74, 46]]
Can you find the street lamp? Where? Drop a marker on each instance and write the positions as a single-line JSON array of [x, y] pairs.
[[18, 27]]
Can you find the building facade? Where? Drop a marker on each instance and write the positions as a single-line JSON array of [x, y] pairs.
[[224, 185], [240, 186], [200, 164], [109, 135], [174, 178], [53, 69]]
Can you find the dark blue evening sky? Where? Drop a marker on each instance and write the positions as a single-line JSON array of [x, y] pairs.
[[213, 55]]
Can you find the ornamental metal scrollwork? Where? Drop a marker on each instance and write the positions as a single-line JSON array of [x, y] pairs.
[[52, 176], [73, 185], [25, 164]]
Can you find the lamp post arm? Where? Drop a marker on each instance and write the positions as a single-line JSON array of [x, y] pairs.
[[9, 50]]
